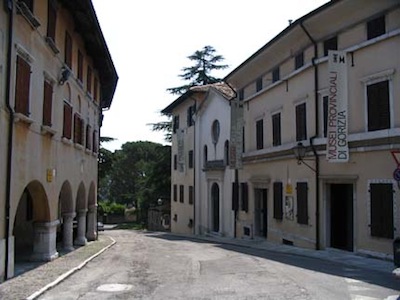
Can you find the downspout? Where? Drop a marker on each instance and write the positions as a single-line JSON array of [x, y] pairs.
[[236, 170], [8, 6], [317, 171], [194, 169]]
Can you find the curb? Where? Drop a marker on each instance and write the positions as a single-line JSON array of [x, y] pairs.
[[69, 273]]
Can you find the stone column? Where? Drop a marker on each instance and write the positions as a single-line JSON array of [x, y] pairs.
[[91, 233], [81, 238], [44, 244], [68, 231]]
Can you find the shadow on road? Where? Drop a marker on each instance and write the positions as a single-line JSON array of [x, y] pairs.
[[310, 263]]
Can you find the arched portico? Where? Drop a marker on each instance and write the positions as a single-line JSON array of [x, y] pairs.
[[33, 231]]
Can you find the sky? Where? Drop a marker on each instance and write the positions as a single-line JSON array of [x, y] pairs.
[[150, 40]]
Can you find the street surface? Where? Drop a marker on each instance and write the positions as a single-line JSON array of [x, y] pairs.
[[144, 265]]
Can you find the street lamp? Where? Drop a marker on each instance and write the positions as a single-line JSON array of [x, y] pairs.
[[300, 152]]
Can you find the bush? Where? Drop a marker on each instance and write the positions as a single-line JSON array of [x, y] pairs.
[[112, 208]]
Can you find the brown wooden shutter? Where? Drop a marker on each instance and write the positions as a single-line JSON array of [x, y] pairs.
[[22, 86], [51, 20], [88, 137], [278, 200], [47, 103], [235, 196], [95, 142], [67, 128], [68, 50], [382, 210], [80, 65], [89, 79], [301, 125], [245, 196], [302, 203], [95, 89]]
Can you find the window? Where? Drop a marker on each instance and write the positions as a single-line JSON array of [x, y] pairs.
[[299, 61], [190, 113], [241, 94], [215, 131], [235, 196], [67, 125], [276, 129], [80, 66], [259, 84], [175, 193], [95, 141], [89, 80], [68, 50], [22, 86], [191, 159], [95, 89], [302, 202], [260, 134], [51, 20], [330, 44], [28, 3], [301, 122], [175, 124], [175, 162], [78, 129], [47, 103], [381, 210], [226, 152], [278, 200], [88, 137], [275, 75], [378, 106], [376, 27], [191, 195], [244, 189], [325, 116], [181, 193]]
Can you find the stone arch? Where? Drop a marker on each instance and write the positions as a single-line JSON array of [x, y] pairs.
[[32, 225], [66, 214], [81, 203], [92, 195]]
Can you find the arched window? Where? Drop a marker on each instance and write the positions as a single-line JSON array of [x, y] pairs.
[[215, 130]]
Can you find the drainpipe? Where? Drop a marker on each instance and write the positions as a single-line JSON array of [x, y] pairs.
[[8, 6], [317, 171], [194, 169]]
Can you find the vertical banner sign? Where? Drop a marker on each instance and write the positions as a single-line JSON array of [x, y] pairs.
[[236, 144], [337, 149]]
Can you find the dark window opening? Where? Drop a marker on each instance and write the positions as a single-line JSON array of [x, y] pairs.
[[299, 60], [278, 200], [47, 103], [276, 130], [302, 203], [330, 44], [260, 134], [382, 210], [301, 122], [275, 75], [376, 27], [378, 106], [259, 84]]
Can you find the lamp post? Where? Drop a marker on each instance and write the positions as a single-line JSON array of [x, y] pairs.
[[300, 152]]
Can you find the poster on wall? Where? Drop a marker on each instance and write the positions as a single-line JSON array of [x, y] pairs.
[[337, 149]]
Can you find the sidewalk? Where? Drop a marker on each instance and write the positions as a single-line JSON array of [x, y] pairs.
[[339, 256], [32, 282]]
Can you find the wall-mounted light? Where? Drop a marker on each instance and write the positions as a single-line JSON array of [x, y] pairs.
[[299, 152], [65, 73]]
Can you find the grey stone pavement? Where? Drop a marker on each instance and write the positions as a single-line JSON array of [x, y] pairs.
[[30, 284]]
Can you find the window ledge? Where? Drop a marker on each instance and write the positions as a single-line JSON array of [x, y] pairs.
[[26, 12], [94, 154], [66, 141], [78, 146], [19, 117], [52, 45], [47, 130], [80, 83], [88, 151], [89, 95]]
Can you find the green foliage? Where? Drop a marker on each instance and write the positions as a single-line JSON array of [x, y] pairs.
[[107, 207], [205, 61], [139, 174]]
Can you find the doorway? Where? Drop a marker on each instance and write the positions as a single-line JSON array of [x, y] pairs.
[[341, 216], [215, 207], [260, 213]]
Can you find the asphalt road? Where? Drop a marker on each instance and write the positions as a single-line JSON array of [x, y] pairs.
[[162, 266]]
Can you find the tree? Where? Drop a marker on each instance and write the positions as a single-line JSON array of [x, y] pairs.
[[205, 61]]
